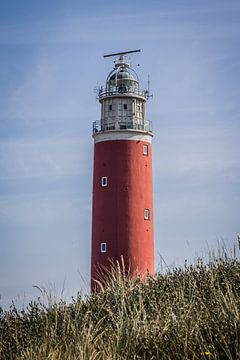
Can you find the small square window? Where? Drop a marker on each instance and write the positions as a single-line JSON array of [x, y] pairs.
[[145, 149], [110, 107], [103, 247], [146, 214], [125, 106], [104, 181]]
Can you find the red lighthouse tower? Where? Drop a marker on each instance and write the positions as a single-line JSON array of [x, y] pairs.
[[122, 209]]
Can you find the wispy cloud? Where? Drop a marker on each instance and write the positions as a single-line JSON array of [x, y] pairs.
[[50, 91], [164, 22], [196, 156], [56, 208], [49, 158]]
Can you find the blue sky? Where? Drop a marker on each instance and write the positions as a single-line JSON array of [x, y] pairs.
[[50, 62]]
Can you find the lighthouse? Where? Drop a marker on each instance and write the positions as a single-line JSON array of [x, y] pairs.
[[122, 203]]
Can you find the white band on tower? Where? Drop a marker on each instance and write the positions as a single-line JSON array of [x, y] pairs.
[[123, 135]]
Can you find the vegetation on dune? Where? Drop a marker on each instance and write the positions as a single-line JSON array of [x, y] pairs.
[[186, 313]]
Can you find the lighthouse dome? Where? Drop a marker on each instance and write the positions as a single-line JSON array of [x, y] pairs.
[[122, 80], [122, 74]]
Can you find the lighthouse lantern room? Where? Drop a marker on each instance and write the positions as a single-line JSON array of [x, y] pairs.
[[122, 205]]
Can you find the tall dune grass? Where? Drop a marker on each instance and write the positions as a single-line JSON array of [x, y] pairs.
[[187, 313]]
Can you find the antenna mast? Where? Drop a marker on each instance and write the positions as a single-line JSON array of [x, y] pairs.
[[149, 95]]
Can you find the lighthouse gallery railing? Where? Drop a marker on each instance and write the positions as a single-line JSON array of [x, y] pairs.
[[120, 125]]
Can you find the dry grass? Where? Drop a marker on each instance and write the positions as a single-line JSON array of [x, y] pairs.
[[189, 313]]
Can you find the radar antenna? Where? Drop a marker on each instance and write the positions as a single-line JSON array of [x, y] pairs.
[[122, 53]]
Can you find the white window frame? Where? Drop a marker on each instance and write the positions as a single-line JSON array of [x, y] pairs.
[[146, 214], [104, 181], [103, 247], [145, 149]]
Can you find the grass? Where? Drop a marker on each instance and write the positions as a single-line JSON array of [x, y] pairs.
[[186, 313]]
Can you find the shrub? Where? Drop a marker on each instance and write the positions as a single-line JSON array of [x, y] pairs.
[[186, 313]]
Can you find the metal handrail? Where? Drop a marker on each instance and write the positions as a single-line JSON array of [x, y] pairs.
[[105, 92], [121, 126]]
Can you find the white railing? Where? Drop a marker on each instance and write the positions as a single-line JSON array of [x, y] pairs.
[[122, 90], [98, 126]]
